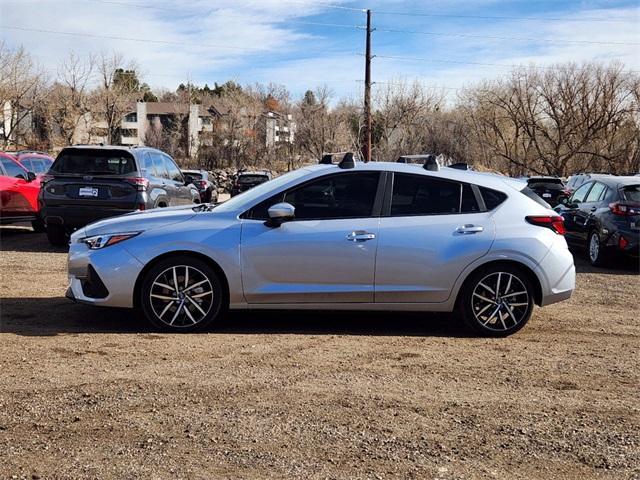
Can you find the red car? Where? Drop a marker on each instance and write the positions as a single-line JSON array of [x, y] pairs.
[[36, 162], [19, 190]]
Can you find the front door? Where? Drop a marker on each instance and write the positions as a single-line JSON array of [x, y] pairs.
[[326, 254], [433, 230]]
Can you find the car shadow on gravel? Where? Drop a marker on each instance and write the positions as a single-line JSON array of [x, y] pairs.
[[54, 316], [617, 266], [24, 239]]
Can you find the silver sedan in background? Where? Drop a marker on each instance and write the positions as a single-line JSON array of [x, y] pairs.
[[354, 236]]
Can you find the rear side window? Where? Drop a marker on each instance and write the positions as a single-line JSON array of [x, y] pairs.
[[94, 162], [421, 195], [493, 198], [631, 193], [159, 166]]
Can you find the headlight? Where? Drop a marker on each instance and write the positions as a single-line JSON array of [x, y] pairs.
[[97, 242]]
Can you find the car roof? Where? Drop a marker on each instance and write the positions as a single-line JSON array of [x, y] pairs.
[[253, 173], [616, 181], [24, 155], [131, 149], [490, 180]]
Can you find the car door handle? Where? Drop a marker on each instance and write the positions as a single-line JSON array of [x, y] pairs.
[[469, 229], [360, 236]]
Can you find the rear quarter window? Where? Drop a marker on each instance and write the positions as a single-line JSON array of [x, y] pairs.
[[493, 198], [631, 193]]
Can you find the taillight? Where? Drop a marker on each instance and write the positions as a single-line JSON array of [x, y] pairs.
[[140, 183], [622, 243], [201, 184], [554, 222], [623, 210]]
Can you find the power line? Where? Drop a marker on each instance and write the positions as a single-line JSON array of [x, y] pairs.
[[496, 17], [492, 37], [114, 37], [405, 84], [459, 62], [155, 7]]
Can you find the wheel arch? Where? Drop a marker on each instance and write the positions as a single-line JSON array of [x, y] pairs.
[[531, 275], [184, 253]]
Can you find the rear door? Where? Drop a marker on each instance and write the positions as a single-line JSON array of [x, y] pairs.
[[587, 210], [430, 231]]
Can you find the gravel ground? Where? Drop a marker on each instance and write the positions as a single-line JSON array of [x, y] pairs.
[[93, 393]]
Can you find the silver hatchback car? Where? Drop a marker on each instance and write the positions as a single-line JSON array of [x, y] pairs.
[[354, 236]]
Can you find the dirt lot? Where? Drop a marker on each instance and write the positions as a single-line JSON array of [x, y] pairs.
[[93, 393]]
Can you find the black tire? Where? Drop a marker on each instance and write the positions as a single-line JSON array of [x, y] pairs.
[[181, 314], [486, 313], [57, 235], [38, 225], [595, 250]]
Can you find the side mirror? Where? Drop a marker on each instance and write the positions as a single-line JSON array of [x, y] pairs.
[[280, 213], [31, 176], [188, 179]]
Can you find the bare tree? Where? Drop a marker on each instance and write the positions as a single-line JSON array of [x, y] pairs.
[[22, 86], [118, 89], [68, 101]]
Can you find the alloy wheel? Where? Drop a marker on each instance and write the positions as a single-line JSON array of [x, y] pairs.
[[594, 247], [500, 301], [181, 296]]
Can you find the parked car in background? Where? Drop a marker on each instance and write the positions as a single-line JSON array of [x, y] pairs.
[[355, 236], [575, 181], [36, 162], [19, 190], [603, 217], [247, 180], [550, 189], [89, 182], [205, 184]]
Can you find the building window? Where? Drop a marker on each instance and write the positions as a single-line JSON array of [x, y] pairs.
[[131, 117]]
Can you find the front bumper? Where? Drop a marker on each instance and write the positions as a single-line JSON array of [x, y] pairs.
[[102, 277]]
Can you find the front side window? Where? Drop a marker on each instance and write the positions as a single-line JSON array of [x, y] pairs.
[[421, 195], [348, 195], [174, 171], [596, 192], [13, 169], [580, 194]]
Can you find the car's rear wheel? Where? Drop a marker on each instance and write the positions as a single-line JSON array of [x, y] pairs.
[[597, 256], [497, 301], [181, 294], [57, 235], [38, 225]]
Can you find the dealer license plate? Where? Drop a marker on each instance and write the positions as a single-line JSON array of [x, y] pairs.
[[88, 192]]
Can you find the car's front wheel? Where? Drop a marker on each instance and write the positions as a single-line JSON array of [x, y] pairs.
[[497, 301], [181, 294]]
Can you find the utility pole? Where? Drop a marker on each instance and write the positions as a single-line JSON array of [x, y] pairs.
[[367, 93]]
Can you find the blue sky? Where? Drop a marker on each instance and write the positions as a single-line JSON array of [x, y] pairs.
[[207, 41]]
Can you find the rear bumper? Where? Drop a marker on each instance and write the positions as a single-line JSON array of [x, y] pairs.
[[74, 216], [557, 274], [6, 220]]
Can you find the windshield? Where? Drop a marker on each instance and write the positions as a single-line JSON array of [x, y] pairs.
[[194, 175], [248, 198], [94, 162], [632, 193]]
